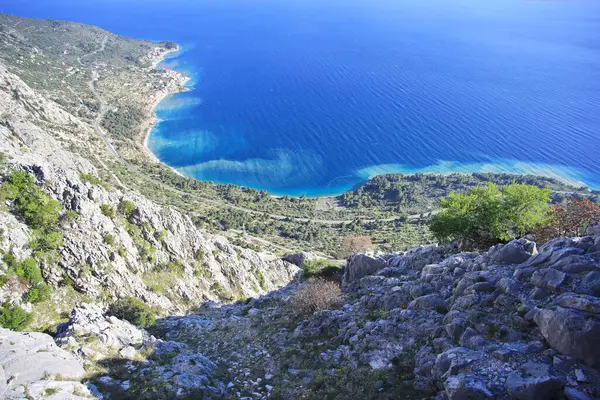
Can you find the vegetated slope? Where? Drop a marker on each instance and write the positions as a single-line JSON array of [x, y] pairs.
[[110, 83], [111, 243], [420, 193]]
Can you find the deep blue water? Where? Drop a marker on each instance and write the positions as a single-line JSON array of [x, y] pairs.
[[313, 97]]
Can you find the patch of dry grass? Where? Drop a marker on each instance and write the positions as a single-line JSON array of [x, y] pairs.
[[318, 294]]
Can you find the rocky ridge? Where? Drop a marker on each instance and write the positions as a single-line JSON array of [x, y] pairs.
[[513, 322]]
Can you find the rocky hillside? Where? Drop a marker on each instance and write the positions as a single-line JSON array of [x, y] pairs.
[[91, 261], [515, 322], [115, 242]]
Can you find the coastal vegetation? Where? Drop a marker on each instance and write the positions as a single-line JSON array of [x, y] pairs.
[[570, 218], [490, 214], [418, 193]]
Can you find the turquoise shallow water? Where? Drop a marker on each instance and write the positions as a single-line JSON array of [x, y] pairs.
[[307, 97]]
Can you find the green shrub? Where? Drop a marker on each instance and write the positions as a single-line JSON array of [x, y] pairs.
[[261, 280], [3, 280], [174, 267], [134, 311], [71, 215], [46, 241], [18, 181], [30, 271], [10, 260], [126, 208], [108, 239], [14, 317], [488, 215], [38, 293], [89, 178], [156, 288], [161, 236], [38, 210], [107, 210]]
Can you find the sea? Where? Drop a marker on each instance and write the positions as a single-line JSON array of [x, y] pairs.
[[313, 97]]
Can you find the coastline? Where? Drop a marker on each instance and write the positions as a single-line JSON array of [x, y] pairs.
[[179, 86], [177, 82]]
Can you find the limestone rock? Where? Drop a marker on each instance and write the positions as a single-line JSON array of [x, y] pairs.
[[571, 333], [548, 278], [361, 265], [298, 259], [533, 381], [88, 320], [514, 252], [30, 363], [466, 387]]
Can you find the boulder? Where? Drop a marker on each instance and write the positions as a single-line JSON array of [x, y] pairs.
[[421, 256], [548, 278], [428, 301], [579, 302], [572, 333], [514, 252], [574, 394], [466, 387], [88, 320], [29, 364], [299, 259], [361, 265], [452, 361], [591, 283], [533, 381]]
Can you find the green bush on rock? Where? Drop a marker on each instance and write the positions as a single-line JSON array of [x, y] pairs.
[[38, 293], [134, 311], [322, 269], [14, 317], [107, 210], [38, 210], [489, 214], [126, 208], [30, 271]]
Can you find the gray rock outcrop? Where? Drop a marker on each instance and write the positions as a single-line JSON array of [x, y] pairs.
[[298, 259], [32, 366], [361, 265]]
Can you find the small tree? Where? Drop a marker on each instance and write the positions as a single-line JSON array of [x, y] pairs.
[[30, 271], [107, 210], [488, 215], [355, 244]]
